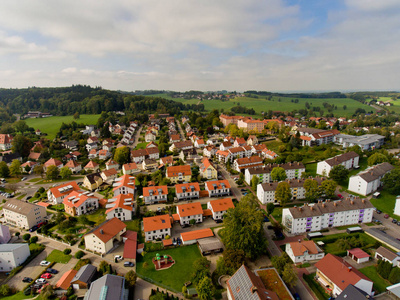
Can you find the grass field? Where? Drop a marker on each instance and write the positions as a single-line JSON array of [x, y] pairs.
[[278, 104], [98, 217], [178, 274], [52, 125], [59, 257], [385, 203], [380, 284]]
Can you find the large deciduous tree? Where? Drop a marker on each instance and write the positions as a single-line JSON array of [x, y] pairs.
[[15, 168], [329, 187], [65, 173], [278, 174], [391, 181], [21, 145], [52, 172], [130, 279], [205, 289], [289, 276], [4, 170], [339, 173], [311, 187], [283, 193], [244, 228], [122, 155], [377, 158]]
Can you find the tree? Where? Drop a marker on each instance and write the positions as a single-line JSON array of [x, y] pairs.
[[17, 234], [20, 126], [329, 188], [52, 172], [279, 262], [5, 290], [26, 236], [254, 183], [283, 193], [270, 208], [201, 268], [65, 173], [79, 254], [289, 276], [356, 149], [47, 292], [122, 155], [241, 178], [311, 188], [339, 173], [392, 182], [394, 276], [15, 168], [38, 170], [33, 240], [244, 228], [104, 268], [21, 145], [76, 115], [205, 289], [231, 261], [130, 279], [377, 158], [4, 170], [278, 174]]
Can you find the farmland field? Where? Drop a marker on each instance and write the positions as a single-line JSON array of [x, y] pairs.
[[51, 125]]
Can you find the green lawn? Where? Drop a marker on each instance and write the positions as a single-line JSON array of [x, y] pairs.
[[35, 179], [58, 257], [17, 296], [141, 145], [385, 203], [21, 196], [174, 277], [52, 125], [312, 169], [133, 225], [277, 214], [380, 284], [98, 216], [43, 181]]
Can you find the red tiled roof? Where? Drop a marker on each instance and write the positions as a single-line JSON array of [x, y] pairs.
[[130, 166], [156, 223], [189, 209], [196, 234], [125, 180], [52, 162], [130, 248], [56, 190], [187, 186], [221, 204], [174, 171], [358, 253], [34, 155], [299, 248], [110, 172], [167, 242], [207, 213], [65, 280], [91, 164], [146, 190], [108, 230], [209, 184], [119, 202], [43, 204]]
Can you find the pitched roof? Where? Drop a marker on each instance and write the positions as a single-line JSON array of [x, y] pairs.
[[197, 234], [358, 253], [125, 180], [93, 177], [353, 293], [72, 164], [21, 207], [64, 189], [130, 248], [34, 155], [218, 184], [155, 190], [5, 139], [183, 144], [52, 162], [175, 137], [156, 223], [106, 288], [119, 202], [76, 199], [111, 162], [187, 187], [85, 274], [337, 160], [65, 280], [249, 160], [299, 248], [108, 229], [91, 164], [174, 171], [189, 209], [110, 172], [221, 204], [386, 253], [139, 152], [167, 160], [340, 272], [375, 172], [130, 166]]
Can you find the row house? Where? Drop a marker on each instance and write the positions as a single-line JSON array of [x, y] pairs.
[[247, 162], [218, 188], [57, 194], [179, 146], [349, 160], [269, 154], [157, 227], [124, 185], [258, 149], [120, 207], [207, 170], [187, 191], [219, 207], [80, 203], [179, 173], [321, 215], [155, 194], [314, 136]]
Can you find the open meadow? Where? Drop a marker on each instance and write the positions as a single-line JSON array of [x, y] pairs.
[[51, 125]]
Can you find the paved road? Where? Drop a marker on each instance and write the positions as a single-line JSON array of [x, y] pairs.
[[137, 136], [235, 191], [182, 133], [391, 228]]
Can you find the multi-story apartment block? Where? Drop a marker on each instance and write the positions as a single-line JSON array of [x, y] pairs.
[[23, 214], [314, 217], [80, 203], [349, 160], [157, 227], [292, 170], [155, 194], [13, 255]]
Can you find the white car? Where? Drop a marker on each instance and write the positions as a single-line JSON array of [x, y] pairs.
[[44, 263], [40, 280], [118, 257]]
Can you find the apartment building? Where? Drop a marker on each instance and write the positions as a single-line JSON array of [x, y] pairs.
[[349, 160], [23, 214], [155, 194], [218, 188], [80, 203], [187, 191]]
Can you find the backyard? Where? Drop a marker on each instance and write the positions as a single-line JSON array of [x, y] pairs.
[[385, 203], [380, 284], [174, 277], [58, 257]]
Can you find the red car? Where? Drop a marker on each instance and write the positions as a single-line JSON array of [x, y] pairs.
[[386, 216], [340, 196], [46, 276]]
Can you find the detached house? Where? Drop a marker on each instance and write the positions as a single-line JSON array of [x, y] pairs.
[[303, 251], [57, 194], [111, 164], [5, 142], [157, 227], [92, 166], [92, 181], [179, 173], [179, 146], [101, 238], [130, 168], [190, 211], [218, 188], [155, 194], [74, 166], [80, 203], [219, 207], [187, 191], [53, 162], [207, 170], [109, 175], [121, 207]]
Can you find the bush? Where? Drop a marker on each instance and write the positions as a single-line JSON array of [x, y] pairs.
[[67, 251], [26, 236], [79, 254], [37, 195], [33, 240], [41, 190]]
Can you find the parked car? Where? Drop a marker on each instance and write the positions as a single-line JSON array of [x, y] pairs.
[[394, 221], [41, 281], [33, 228], [24, 178], [179, 241], [44, 263], [218, 221], [340, 196], [386, 216], [296, 296], [128, 264], [398, 223], [378, 211], [27, 279], [46, 276], [174, 241], [52, 271], [243, 190], [29, 197], [118, 257]]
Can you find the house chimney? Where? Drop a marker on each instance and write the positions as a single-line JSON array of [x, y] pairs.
[[253, 289], [363, 200], [323, 204], [334, 204], [349, 269], [101, 231], [299, 240], [351, 202], [311, 208]]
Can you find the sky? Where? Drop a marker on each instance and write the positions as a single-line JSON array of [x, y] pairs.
[[235, 45]]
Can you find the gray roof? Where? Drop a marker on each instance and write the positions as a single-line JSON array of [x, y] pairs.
[[92, 177], [108, 287], [293, 183], [321, 208], [394, 289], [11, 247], [361, 140], [337, 160], [386, 253], [85, 274], [21, 207], [210, 244], [309, 130], [384, 237], [353, 293], [375, 172]]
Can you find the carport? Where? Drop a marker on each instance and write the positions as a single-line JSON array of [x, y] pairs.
[[210, 245]]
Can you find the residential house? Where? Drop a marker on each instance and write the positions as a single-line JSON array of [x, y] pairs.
[[71, 145], [188, 212], [252, 140], [207, 170], [5, 236], [92, 166], [224, 146], [28, 166], [111, 164], [157, 227], [92, 139], [369, 180], [239, 152], [209, 151], [101, 238], [269, 154], [354, 293], [179, 146], [121, 207], [57, 194], [74, 166], [13, 255], [179, 173], [92, 181], [150, 136], [109, 175], [5, 142], [124, 185], [155, 194], [387, 255], [239, 142], [321, 215], [149, 164], [138, 156], [104, 154], [218, 188], [314, 136], [23, 214], [199, 143], [174, 138], [349, 160], [93, 154], [108, 287], [80, 203], [187, 191], [34, 156], [130, 168], [241, 164], [83, 278], [219, 207], [303, 251], [53, 162], [336, 274], [91, 146], [166, 161]]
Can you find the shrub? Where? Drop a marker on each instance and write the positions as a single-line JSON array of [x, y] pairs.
[[79, 254], [26, 236], [41, 190], [33, 239], [67, 251]]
